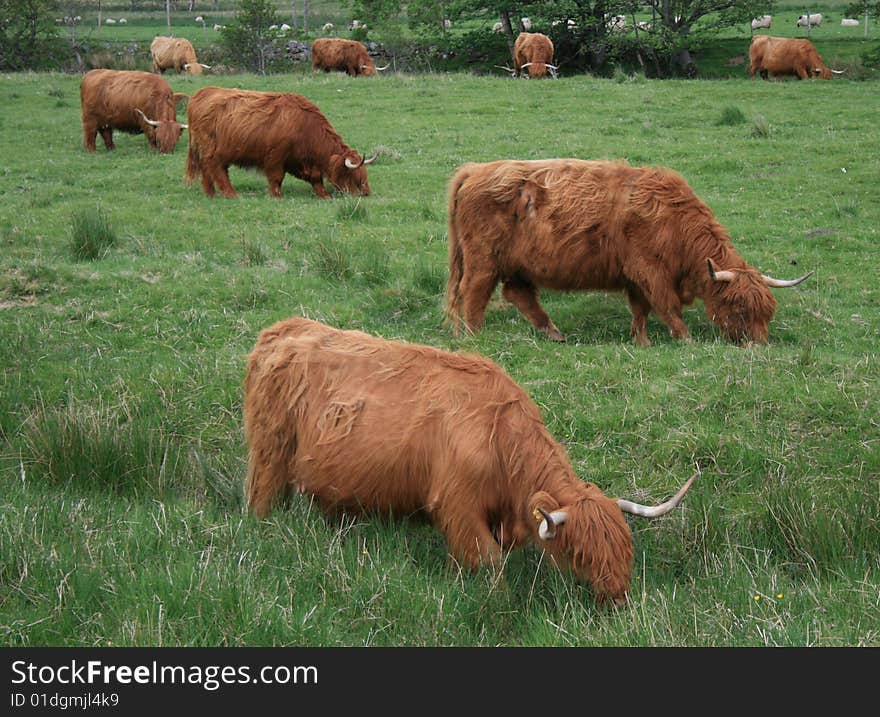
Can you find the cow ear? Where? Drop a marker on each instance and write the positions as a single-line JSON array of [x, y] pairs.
[[541, 506]]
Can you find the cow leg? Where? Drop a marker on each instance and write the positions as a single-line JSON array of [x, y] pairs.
[[220, 175], [668, 308], [90, 133], [207, 182], [275, 177], [320, 190], [639, 307], [107, 136], [470, 540], [477, 290], [524, 297]]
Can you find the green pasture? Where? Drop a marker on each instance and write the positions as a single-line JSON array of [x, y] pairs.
[[129, 302]]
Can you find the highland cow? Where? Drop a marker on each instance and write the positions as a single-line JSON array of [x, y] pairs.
[[275, 132], [569, 224], [366, 425], [533, 51], [129, 101], [177, 53], [334, 53], [779, 56]]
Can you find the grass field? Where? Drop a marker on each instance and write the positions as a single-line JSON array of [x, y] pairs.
[[121, 449]]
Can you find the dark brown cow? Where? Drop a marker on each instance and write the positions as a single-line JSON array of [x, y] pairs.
[[129, 101], [779, 56], [177, 53], [275, 132], [334, 53], [533, 51], [368, 425], [570, 224]]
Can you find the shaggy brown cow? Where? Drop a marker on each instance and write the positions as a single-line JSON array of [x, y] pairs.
[[177, 53], [534, 51], [369, 425], [129, 101], [571, 224], [786, 56], [275, 132], [334, 53]]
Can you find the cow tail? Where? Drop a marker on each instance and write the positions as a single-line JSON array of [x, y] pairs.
[[193, 161], [456, 259]]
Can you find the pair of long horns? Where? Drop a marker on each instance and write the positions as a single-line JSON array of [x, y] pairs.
[[727, 275], [186, 66], [355, 165], [154, 123], [547, 529], [550, 67], [378, 69]]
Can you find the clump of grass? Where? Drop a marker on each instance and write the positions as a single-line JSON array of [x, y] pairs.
[[30, 280], [731, 116], [373, 267], [845, 208], [253, 253], [331, 262], [56, 92], [351, 209], [91, 236], [90, 449], [761, 128]]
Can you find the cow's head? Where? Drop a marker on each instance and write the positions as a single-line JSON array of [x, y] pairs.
[[163, 134], [195, 68], [740, 302], [539, 69], [590, 536], [348, 172]]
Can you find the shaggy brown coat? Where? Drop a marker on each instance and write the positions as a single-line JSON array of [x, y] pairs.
[[174, 52], [334, 53], [785, 56], [110, 99], [570, 224], [277, 133], [369, 425], [535, 48]]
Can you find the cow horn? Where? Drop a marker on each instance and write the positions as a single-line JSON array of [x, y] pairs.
[[522, 67], [150, 122], [784, 283], [547, 529], [373, 158], [382, 69], [184, 126], [627, 506], [721, 274], [838, 72], [506, 69], [207, 67]]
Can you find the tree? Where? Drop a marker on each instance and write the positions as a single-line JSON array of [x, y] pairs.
[[24, 24], [248, 39]]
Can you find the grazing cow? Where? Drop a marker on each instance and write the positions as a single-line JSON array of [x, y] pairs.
[[786, 56], [129, 101], [525, 24], [498, 27], [177, 53], [336, 53], [813, 19], [762, 22], [368, 425], [849, 22], [571, 224], [275, 132], [533, 50], [327, 27]]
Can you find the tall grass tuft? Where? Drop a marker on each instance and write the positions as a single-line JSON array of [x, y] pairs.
[[253, 253], [91, 236], [351, 209], [90, 449], [331, 262], [761, 128], [731, 115]]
